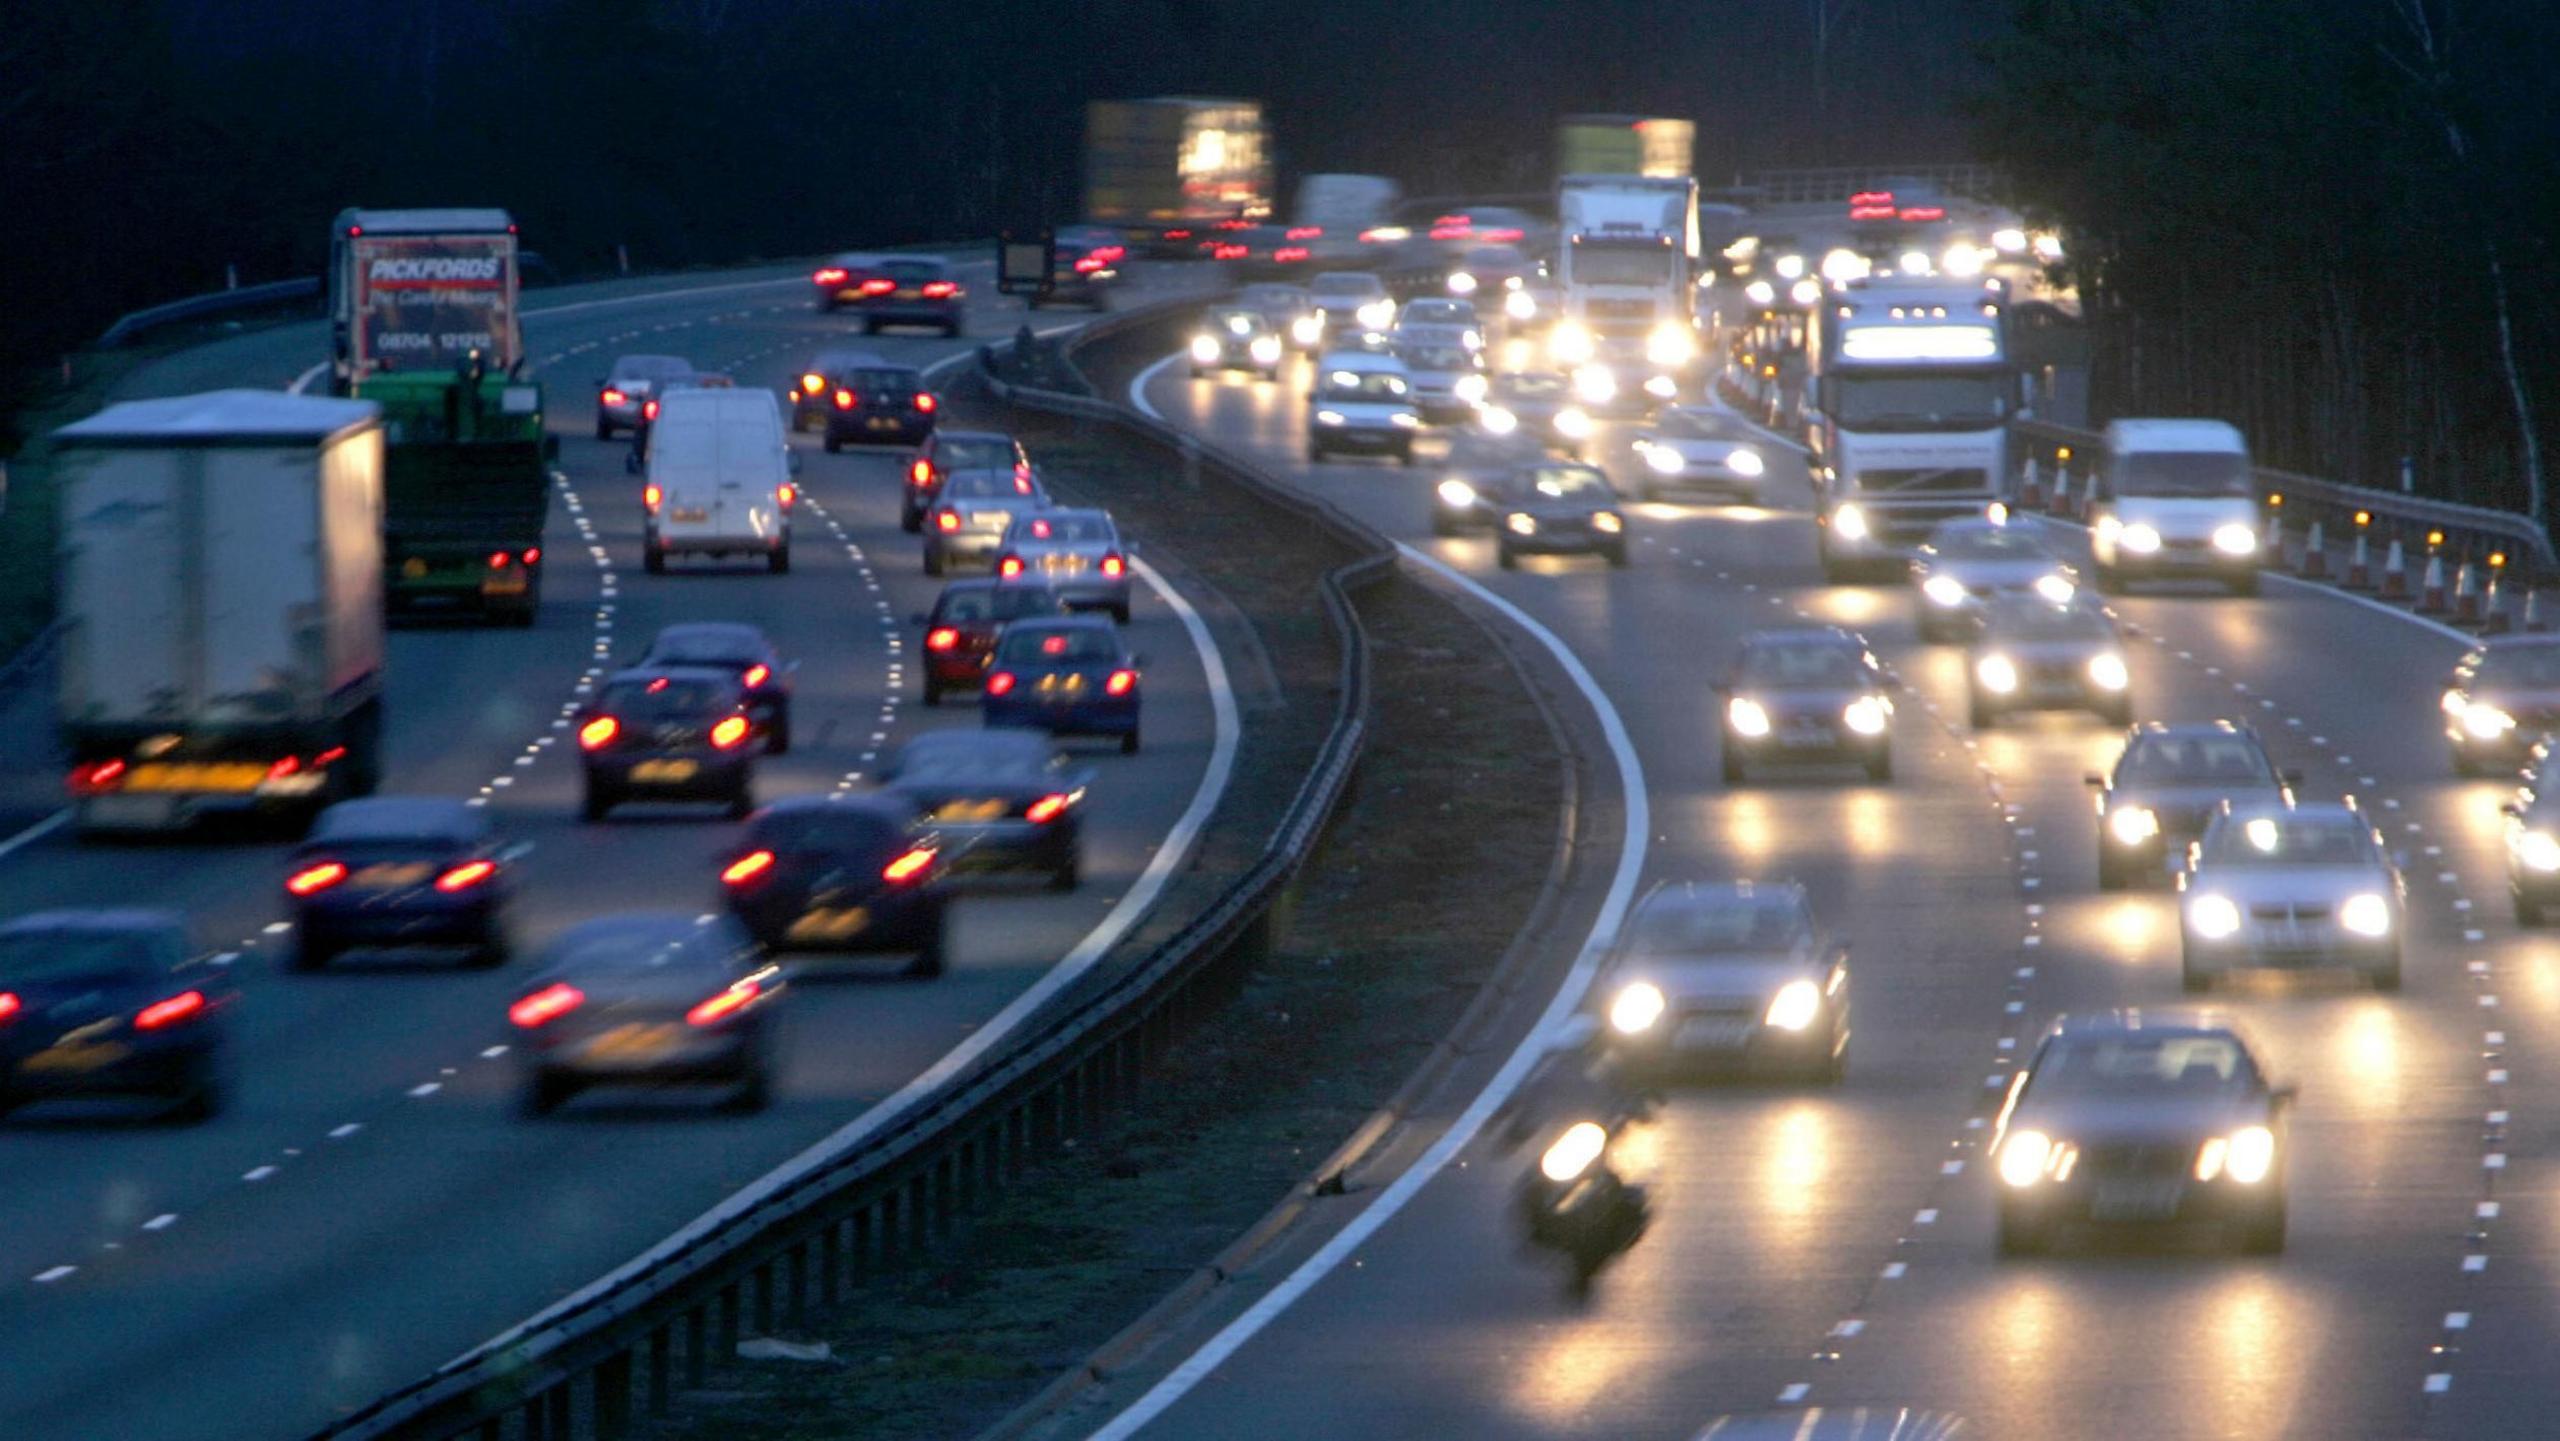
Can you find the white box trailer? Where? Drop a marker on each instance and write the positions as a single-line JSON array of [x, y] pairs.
[[221, 592]]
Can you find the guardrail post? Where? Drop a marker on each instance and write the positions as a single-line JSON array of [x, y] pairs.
[[536, 1412], [661, 1361], [831, 1265], [797, 1310], [697, 1348], [919, 1212], [729, 1320], [968, 1168], [945, 1191], [612, 1381], [764, 1298], [864, 1242]]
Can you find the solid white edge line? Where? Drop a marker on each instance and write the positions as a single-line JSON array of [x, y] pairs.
[[36, 832], [1533, 1047], [1088, 953], [302, 382], [1138, 387]]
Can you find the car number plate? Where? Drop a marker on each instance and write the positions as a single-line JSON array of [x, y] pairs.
[[146, 810], [75, 1057], [1713, 1033], [633, 1041], [969, 812], [387, 876], [2136, 1200], [694, 513], [194, 776], [663, 772], [505, 582], [883, 422], [831, 923], [1804, 738], [1067, 564], [910, 294], [413, 569]]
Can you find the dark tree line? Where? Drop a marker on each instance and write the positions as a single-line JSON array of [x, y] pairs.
[[2330, 221]]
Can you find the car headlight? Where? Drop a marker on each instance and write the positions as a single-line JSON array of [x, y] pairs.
[[1328, 417], [1962, 261], [2138, 538], [1747, 717], [1670, 344], [2453, 702], [1497, 421], [1636, 1007], [1943, 590], [1265, 349], [2539, 851], [2247, 1156], [1661, 387], [1663, 460], [1607, 522], [1377, 314], [1745, 462], [1573, 424], [1457, 493], [1998, 674], [1473, 339], [1574, 1152], [1866, 715], [1849, 523], [2483, 721], [1912, 262], [2054, 588], [1520, 305], [2132, 825], [1519, 524], [2235, 539], [1795, 1005], [1470, 388], [2107, 671], [1570, 342], [2367, 915], [1789, 267], [1761, 292], [1204, 348], [2214, 917], [1596, 383], [812, 383], [1844, 265], [2023, 1156], [1805, 292], [1462, 283], [1307, 329], [1404, 418]]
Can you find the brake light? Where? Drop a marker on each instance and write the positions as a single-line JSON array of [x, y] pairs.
[[284, 766], [1121, 683], [463, 877], [1009, 567], [613, 397], [532, 555], [941, 637], [1088, 265], [747, 867], [878, 285], [498, 559], [650, 495], [1114, 567], [947, 519], [1229, 252], [925, 402], [785, 493], [1053, 645], [1287, 253], [1177, 235], [909, 866], [1022, 480], [169, 1012], [757, 675], [1039, 530], [649, 411], [312, 880], [98, 776], [920, 473], [9, 1004], [1000, 682], [813, 382], [729, 732], [330, 756], [1306, 232], [1045, 809], [940, 289], [598, 732], [732, 999], [845, 399], [546, 1005], [832, 275]]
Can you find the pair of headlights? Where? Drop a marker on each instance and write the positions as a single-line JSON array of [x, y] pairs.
[[2233, 539], [1866, 715], [2217, 917], [1999, 674], [2246, 1156], [1640, 1005]]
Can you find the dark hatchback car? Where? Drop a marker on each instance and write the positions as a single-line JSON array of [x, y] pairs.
[[918, 290], [1811, 694], [1558, 508], [106, 1003], [841, 873], [744, 651], [2169, 781], [861, 398], [1001, 799], [623, 396], [399, 872], [671, 733], [960, 631], [947, 451], [647, 1000], [2502, 698], [1070, 676]]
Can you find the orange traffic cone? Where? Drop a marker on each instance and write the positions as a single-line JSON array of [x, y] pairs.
[[2315, 554], [2431, 587], [2395, 574], [2360, 565], [2466, 593]]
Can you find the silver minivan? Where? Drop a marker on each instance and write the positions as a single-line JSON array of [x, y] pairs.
[[719, 479]]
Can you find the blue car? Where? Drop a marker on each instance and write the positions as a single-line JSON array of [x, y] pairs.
[[106, 1003], [400, 871], [1067, 675]]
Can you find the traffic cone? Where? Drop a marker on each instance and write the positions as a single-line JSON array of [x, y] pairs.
[[2431, 587], [2031, 491], [2466, 593], [2315, 554], [2494, 619], [2271, 539], [2360, 565], [2065, 504], [2395, 574]]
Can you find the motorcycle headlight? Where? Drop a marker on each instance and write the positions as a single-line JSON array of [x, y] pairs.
[[1745, 462], [2023, 1156], [2138, 538], [1663, 460], [1519, 524], [1204, 348], [2107, 671], [1849, 523], [1457, 493], [2132, 825], [2235, 539], [1636, 1007], [1670, 344], [1497, 421], [1470, 388], [1596, 383], [1943, 590], [1747, 717], [1307, 329], [1607, 522], [2214, 917], [1573, 424], [1265, 349], [1462, 283], [1866, 715], [1574, 1152], [2367, 915], [1520, 305], [1998, 674], [1328, 417], [1570, 342], [2539, 851], [2054, 588], [1795, 1005], [2486, 722]]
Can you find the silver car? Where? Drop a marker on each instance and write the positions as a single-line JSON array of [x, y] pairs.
[[1352, 300], [1077, 553], [1690, 449], [623, 396], [1448, 379], [1289, 310], [2284, 885], [971, 511], [2031, 654], [1966, 562], [1735, 976]]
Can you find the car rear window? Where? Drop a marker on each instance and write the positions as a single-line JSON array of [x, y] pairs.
[[986, 485], [1067, 529], [815, 829], [1561, 482], [665, 698], [973, 454], [735, 650], [883, 380], [1346, 287], [1058, 647], [911, 272], [67, 955]]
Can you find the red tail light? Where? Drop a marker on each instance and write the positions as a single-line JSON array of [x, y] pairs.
[[97, 776], [284, 766], [832, 275], [1022, 480], [1306, 232], [947, 520], [909, 866], [169, 1012], [747, 867], [878, 285], [920, 473], [532, 556], [845, 399], [498, 559], [1039, 530], [941, 637], [1287, 253], [786, 493], [1121, 683], [1229, 252], [729, 732], [331, 756], [732, 999], [649, 411], [9, 1004], [1000, 682], [1053, 645], [1177, 235], [1009, 567], [463, 877], [757, 675], [1046, 809], [546, 1005], [940, 289], [312, 880], [1088, 264], [926, 403], [650, 495], [598, 732], [1114, 567], [613, 397]]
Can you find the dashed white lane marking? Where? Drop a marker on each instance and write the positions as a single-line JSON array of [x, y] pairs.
[[36, 832], [161, 1222], [426, 1088], [48, 1277], [257, 1173], [341, 1132]]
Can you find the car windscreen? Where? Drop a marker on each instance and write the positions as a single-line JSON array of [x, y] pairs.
[[2136, 1063], [810, 828], [2524, 667], [73, 954], [954, 453], [1734, 923], [1237, 322], [1494, 257], [656, 368], [1918, 402], [1363, 385], [1439, 312], [911, 272], [895, 382], [1532, 385], [985, 485], [1630, 265], [1348, 287], [1436, 357], [2196, 760], [1058, 647], [1690, 425], [664, 698], [2170, 473], [1804, 665], [1065, 530], [1987, 542], [706, 648], [2288, 840], [1562, 482]]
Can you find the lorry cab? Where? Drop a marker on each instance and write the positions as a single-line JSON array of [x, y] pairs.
[[719, 479], [2175, 499]]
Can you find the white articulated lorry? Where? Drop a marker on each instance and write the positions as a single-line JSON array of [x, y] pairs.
[[1626, 257], [221, 597]]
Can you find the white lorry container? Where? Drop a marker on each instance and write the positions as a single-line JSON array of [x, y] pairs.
[[2176, 500], [719, 479], [221, 585], [1334, 211], [1626, 257]]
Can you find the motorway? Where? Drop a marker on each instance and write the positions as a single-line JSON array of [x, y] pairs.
[[1833, 1247], [370, 1205]]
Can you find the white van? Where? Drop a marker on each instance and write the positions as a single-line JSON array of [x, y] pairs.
[[2175, 500], [719, 478], [1361, 402]]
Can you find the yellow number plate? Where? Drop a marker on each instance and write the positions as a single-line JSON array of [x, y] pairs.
[[505, 582], [830, 924], [969, 812], [387, 876], [413, 569], [663, 772], [73, 1057], [690, 513], [1070, 684], [1070, 564], [633, 1042], [195, 776]]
